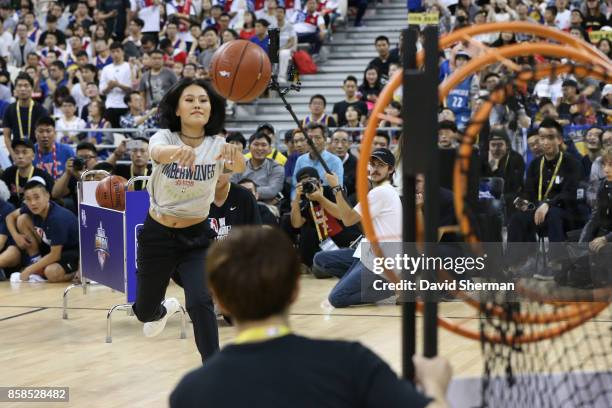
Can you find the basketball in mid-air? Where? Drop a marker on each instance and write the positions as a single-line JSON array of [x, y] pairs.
[[240, 70], [110, 192]]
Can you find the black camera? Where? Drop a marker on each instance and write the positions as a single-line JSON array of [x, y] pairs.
[[78, 164], [310, 185]]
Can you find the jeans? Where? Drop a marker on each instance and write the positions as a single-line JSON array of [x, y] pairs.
[[356, 281], [164, 251]]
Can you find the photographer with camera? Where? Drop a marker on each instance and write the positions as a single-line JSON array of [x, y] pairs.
[[318, 228], [22, 171], [65, 187]]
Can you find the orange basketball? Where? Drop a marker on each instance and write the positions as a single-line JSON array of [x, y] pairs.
[[240, 70], [110, 193]]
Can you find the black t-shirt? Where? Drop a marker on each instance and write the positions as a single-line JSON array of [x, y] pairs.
[[383, 66], [11, 121], [123, 170], [240, 208], [294, 371], [341, 107], [17, 193], [116, 25]]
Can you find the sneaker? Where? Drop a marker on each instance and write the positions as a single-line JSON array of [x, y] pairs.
[[152, 329], [35, 278], [15, 277]]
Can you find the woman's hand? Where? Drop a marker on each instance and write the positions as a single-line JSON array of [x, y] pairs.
[[185, 156], [233, 157]]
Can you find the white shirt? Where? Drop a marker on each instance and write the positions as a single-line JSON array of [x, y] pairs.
[[386, 214], [63, 124], [6, 39], [148, 14], [120, 73], [544, 89], [562, 21], [81, 100]]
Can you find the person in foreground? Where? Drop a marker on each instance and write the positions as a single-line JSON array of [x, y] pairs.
[[278, 368], [187, 160]]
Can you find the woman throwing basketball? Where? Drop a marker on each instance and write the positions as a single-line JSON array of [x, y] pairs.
[[187, 160]]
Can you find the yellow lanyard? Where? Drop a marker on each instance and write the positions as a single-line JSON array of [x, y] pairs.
[[144, 182], [552, 179], [21, 132], [262, 333], [17, 179]]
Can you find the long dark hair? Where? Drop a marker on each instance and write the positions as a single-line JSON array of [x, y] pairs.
[[169, 103]]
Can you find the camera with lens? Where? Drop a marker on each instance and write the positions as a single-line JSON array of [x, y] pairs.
[[310, 185], [78, 164]]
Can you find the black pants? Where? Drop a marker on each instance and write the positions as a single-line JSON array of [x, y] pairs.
[[164, 251], [113, 115]]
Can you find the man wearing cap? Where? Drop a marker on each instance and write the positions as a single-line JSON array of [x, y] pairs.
[[46, 238], [274, 154], [17, 175], [356, 281]]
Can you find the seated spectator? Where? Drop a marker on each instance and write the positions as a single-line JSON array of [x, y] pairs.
[[316, 106], [156, 80], [190, 70], [137, 117], [5, 209], [65, 187], [172, 54], [351, 98], [21, 46], [268, 213], [269, 13], [85, 74], [355, 285], [16, 176], [592, 142], [274, 154], [598, 231], [69, 121], [271, 291], [382, 140], [353, 118], [605, 110], [171, 34], [340, 145], [268, 174], [45, 234], [316, 226], [21, 125], [232, 206], [318, 133], [261, 34], [50, 155], [447, 135], [138, 148], [287, 44], [549, 205], [248, 29], [212, 43], [384, 57], [297, 147], [371, 87], [310, 27], [96, 120], [594, 18], [597, 173], [505, 163]]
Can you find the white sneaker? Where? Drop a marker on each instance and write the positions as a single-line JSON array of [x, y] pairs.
[[15, 277], [152, 329], [35, 278]]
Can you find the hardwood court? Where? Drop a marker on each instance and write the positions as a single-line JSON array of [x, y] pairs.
[[39, 348]]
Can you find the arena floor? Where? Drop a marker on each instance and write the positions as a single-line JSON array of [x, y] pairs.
[[39, 348]]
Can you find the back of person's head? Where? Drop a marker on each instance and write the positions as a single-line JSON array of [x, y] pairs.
[[271, 284]]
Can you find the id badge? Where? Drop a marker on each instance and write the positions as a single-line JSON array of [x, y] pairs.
[[328, 245]]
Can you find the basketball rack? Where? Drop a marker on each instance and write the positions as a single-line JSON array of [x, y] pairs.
[[102, 261]]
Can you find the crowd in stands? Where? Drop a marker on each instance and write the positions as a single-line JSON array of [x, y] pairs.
[[68, 66]]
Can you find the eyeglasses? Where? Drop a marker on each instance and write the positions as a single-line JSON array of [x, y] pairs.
[[86, 157]]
